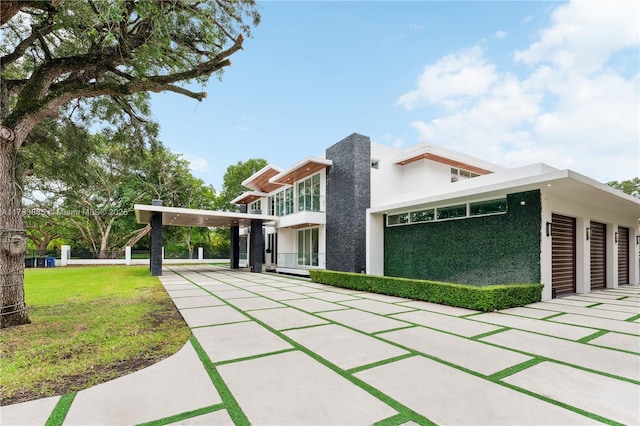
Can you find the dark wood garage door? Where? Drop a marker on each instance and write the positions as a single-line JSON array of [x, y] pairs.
[[623, 255], [563, 254], [598, 255]]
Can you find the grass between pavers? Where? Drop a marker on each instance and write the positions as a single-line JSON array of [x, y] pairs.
[[228, 400], [633, 318], [88, 325], [407, 414], [61, 409]]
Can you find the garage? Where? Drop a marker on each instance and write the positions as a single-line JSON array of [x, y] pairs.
[[598, 239], [623, 255], [563, 254]]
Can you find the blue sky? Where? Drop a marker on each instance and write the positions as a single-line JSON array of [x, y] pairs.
[[510, 82]]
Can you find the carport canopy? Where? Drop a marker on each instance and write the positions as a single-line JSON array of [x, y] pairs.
[[158, 216], [179, 216]]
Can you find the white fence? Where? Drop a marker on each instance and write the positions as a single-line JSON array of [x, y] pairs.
[[65, 259]]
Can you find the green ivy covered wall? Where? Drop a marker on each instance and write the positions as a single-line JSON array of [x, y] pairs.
[[482, 250]]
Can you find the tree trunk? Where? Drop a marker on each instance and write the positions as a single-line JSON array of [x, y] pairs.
[[42, 248], [13, 243]]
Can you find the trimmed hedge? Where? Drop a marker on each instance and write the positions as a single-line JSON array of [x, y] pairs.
[[485, 298]]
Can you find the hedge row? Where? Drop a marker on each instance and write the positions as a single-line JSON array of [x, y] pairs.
[[485, 298]]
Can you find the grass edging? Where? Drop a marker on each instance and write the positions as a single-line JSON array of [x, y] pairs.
[[479, 298]]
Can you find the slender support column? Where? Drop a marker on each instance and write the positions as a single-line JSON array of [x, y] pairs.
[[155, 261], [256, 246], [235, 247]]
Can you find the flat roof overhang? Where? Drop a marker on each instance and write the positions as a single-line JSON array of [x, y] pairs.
[[301, 170], [444, 160], [448, 157], [248, 197], [566, 183], [259, 181], [178, 216]]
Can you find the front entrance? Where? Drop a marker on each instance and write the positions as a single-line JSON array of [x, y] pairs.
[[623, 255], [598, 243], [563, 254]]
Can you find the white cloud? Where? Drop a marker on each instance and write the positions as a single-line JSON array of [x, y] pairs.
[[451, 78], [243, 129], [500, 34], [584, 34], [567, 109], [196, 164]]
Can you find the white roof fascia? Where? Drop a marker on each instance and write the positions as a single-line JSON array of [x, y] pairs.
[[259, 172], [424, 148], [298, 165], [524, 178], [244, 194]]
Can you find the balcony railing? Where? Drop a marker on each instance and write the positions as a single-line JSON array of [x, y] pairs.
[[301, 261], [311, 203]]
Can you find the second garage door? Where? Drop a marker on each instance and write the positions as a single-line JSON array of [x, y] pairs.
[[598, 255]]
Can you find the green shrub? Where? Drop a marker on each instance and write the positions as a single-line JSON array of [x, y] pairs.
[[485, 298]]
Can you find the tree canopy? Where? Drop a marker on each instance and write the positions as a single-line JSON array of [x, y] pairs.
[[232, 181], [629, 186], [57, 55], [57, 51]]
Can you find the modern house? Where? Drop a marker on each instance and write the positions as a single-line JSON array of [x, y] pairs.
[[429, 212], [425, 212]]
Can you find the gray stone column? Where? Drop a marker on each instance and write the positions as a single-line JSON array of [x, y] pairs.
[[155, 260], [348, 198], [235, 248], [256, 246]]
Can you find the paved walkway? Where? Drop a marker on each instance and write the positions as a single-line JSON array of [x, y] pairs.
[[275, 350]]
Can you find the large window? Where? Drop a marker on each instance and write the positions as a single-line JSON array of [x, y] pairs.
[[308, 247], [478, 208], [309, 194]]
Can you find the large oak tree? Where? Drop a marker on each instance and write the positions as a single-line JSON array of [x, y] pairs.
[[54, 52]]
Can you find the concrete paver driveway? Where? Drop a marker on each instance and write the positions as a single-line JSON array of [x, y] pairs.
[[276, 350]]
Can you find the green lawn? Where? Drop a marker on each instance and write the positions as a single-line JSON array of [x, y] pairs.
[[88, 325]]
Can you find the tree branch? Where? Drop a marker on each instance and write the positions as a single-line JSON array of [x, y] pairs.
[[22, 47]]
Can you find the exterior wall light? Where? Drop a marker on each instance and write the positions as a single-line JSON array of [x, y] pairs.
[[615, 237], [588, 234], [548, 229]]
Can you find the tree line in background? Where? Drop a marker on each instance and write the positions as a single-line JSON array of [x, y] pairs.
[[83, 182]]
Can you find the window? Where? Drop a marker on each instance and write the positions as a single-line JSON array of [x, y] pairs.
[[478, 208], [289, 201], [398, 219], [488, 207], [309, 194], [451, 212], [422, 216], [256, 205], [271, 205], [460, 174], [308, 247]]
